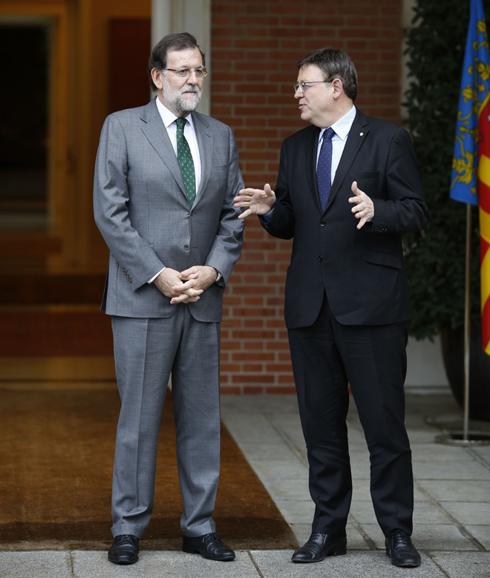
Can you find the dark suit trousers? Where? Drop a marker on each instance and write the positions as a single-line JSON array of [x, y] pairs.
[[326, 358]]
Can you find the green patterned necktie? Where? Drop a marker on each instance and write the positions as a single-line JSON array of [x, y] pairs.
[[186, 164]]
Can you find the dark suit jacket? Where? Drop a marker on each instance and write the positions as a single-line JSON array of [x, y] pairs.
[[361, 271]]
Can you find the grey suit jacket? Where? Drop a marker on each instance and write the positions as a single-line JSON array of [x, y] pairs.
[[143, 214]]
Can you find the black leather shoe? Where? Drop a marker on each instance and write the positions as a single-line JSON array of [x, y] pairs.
[[124, 549], [319, 546], [400, 549], [209, 546]]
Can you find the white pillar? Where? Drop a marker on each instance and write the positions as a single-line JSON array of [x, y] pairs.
[[192, 16]]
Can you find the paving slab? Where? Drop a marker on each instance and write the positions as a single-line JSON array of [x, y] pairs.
[[360, 464], [39, 564], [481, 533], [356, 539], [361, 492], [355, 564], [458, 491], [424, 513], [483, 452], [285, 421], [252, 428], [477, 513], [357, 441], [278, 470], [262, 404], [443, 452], [295, 439], [289, 488], [270, 451], [463, 565], [420, 435], [452, 469], [373, 533], [296, 511], [153, 564]]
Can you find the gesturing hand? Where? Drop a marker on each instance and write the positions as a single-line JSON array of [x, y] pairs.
[[255, 201], [363, 208]]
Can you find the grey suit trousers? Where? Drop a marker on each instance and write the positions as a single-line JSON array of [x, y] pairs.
[[147, 352]]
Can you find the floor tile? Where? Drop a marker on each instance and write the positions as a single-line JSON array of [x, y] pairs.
[[354, 564], [37, 564], [481, 533], [464, 564], [157, 564], [477, 513], [458, 491]]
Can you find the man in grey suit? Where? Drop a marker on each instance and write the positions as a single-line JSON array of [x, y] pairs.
[[165, 179]]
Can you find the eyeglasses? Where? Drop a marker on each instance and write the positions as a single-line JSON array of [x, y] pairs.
[[305, 84], [186, 72]]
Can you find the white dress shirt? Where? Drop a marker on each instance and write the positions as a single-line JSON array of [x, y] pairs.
[[169, 119], [341, 128]]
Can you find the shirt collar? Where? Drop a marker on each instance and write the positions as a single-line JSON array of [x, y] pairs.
[[343, 125], [168, 117]]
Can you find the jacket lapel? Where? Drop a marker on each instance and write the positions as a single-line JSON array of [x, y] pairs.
[[153, 129], [355, 139], [310, 162], [205, 143]]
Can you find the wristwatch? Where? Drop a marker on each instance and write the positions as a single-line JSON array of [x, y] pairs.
[[219, 276]]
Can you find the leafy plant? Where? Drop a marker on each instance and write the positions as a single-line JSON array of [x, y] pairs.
[[435, 259]]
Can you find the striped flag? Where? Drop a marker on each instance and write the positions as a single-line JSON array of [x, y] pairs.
[[470, 176]]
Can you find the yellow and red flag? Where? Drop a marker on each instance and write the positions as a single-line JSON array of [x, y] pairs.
[[470, 177]]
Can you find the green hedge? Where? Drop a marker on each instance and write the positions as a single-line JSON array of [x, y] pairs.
[[435, 260]]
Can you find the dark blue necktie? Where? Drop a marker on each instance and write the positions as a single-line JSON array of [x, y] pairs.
[[324, 167]]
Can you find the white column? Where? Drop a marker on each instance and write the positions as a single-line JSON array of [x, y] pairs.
[[192, 16], [161, 19]]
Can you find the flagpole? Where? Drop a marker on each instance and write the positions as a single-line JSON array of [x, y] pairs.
[[466, 438], [471, 151], [467, 326]]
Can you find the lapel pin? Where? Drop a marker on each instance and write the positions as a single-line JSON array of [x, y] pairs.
[[361, 134]]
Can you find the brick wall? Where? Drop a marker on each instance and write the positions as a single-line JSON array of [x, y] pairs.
[[255, 47]]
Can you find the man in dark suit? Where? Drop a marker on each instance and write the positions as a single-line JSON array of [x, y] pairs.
[[348, 187], [165, 180]]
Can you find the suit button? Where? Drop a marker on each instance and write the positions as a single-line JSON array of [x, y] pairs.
[[323, 224], [186, 247]]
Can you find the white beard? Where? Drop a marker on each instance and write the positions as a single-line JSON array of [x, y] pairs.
[[178, 101]]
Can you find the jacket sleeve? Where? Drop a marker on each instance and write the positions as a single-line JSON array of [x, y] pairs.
[[404, 210], [280, 223], [111, 207], [227, 245]]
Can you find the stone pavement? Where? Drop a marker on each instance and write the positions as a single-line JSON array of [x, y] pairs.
[[452, 496]]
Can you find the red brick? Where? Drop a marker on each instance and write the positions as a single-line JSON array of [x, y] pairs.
[[278, 389], [254, 356], [254, 390], [285, 379], [231, 390]]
